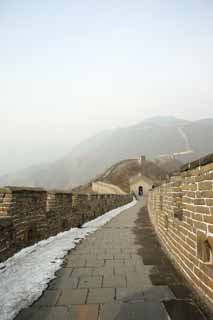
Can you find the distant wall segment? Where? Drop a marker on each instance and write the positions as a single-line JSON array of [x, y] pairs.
[[182, 214], [106, 188], [28, 215]]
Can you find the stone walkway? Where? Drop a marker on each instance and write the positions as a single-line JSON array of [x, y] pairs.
[[117, 273]]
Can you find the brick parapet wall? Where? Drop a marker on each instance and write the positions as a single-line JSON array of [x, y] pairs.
[[182, 214], [28, 215]]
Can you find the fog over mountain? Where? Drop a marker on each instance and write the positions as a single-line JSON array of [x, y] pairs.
[[71, 69], [156, 137]]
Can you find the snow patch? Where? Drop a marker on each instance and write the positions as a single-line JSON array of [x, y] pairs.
[[24, 276]]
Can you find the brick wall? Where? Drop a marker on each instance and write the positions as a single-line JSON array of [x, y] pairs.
[[28, 215], [181, 211]]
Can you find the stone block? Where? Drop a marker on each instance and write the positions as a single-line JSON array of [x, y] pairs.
[[90, 282], [84, 312], [101, 295], [75, 296], [205, 186], [118, 281]]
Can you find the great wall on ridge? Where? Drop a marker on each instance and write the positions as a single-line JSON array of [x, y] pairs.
[[181, 211]]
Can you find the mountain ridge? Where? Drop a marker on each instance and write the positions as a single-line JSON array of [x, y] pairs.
[[157, 137]]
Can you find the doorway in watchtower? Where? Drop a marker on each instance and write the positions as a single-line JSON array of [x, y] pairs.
[[140, 191]]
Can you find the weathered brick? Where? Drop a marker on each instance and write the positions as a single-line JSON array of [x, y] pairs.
[[208, 219], [207, 185], [197, 216], [188, 207], [199, 202], [209, 202], [204, 194], [202, 209], [200, 225]]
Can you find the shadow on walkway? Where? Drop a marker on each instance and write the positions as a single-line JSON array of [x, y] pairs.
[[186, 305]]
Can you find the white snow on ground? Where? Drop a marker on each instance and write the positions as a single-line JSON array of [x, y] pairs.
[[24, 276]]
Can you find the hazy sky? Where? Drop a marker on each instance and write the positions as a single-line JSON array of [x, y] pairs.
[[69, 69]]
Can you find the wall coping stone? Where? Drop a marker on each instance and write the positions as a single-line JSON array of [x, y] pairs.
[[57, 191], [23, 189], [198, 163]]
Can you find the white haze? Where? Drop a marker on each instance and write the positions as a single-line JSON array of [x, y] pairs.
[[71, 69]]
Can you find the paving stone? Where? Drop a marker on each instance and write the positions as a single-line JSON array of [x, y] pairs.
[[90, 282], [64, 283], [76, 262], [133, 311], [78, 272], [101, 295], [114, 282], [114, 263], [95, 263], [105, 256], [84, 256], [129, 294], [75, 296], [138, 263], [108, 271], [84, 312], [158, 293], [44, 313], [109, 311], [134, 281], [113, 251], [125, 256], [28, 313], [49, 298], [123, 269], [64, 272]]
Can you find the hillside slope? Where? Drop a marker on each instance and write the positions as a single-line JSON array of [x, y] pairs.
[[120, 174], [156, 137]]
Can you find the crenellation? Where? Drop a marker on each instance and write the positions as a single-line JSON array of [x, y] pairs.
[[28, 215]]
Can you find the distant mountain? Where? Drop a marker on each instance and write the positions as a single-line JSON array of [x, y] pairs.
[[158, 137]]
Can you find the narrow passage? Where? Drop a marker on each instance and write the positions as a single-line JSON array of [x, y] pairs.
[[120, 272]]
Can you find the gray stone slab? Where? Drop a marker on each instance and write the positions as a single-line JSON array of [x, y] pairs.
[[84, 312], [109, 311], [113, 251], [134, 280], [114, 263], [124, 256], [28, 313], [84, 256], [44, 313], [124, 270], [75, 296], [49, 298], [138, 263], [90, 282], [129, 294], [108, 271], [133, 311], [64, 283], [95, 263], [101, 295], [64, 272], [76, 262], [158, 293], [104, 256], [77, 272], [114, 281]]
